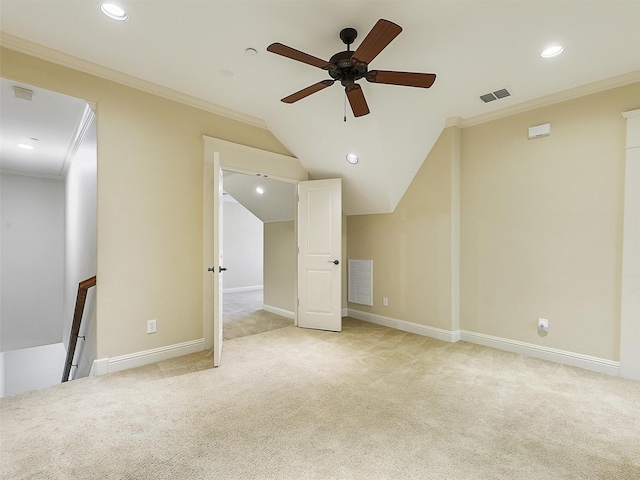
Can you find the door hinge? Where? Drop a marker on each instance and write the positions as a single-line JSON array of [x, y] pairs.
[[298, 302]]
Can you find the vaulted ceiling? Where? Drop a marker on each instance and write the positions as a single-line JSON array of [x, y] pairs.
[[474, 47]]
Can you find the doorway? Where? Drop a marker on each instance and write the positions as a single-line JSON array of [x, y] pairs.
[[322, 213], [218, 155], [259, 254], [48, 233]]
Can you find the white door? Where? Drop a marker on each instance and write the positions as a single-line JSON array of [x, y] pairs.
[[217, 269], [320, 254]]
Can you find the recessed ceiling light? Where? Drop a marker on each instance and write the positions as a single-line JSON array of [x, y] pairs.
[[24, 146], [113, 11], [352, 158], [252, 52], [260, 190], [552, 51]]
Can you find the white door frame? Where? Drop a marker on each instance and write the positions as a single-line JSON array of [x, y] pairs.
[[241, 159], [630, 298]]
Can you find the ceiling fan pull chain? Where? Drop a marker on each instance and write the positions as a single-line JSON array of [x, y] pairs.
[[345, 107]]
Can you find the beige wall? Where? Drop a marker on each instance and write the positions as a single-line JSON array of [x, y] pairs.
[[411, 248], [150, 204], [540, 229], [280, 265], [541, 224]]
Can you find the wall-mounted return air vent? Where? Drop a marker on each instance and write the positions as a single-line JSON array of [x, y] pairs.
[[497, 95]]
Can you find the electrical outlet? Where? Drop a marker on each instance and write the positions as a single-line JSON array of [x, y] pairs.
[[151, 326], [543, 324], [385, 302]]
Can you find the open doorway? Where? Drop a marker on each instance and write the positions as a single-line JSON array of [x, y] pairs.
[[259, 254], [48, 228], [222, 155]]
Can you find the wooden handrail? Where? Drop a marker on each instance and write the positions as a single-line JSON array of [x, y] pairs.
[[75, 326]]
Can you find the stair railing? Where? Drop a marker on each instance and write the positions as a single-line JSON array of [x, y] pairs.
[[75, 326]]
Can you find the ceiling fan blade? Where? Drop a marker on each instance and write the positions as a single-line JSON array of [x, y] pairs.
[[379, 37], [294, 54], [305, 92], [357, 101], [408, 79]]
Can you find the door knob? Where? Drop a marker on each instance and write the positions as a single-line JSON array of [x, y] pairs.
[[335, 262]]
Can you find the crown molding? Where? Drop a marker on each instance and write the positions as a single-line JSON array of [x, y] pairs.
[[25, 173], [631, 113], [50, 55], [81, 130], [454, 122], [581, 91]]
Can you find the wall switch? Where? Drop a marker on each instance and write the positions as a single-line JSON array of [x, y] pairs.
[[151, 326], [385, 302]]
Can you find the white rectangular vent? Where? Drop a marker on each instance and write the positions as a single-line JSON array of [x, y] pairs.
[[497, 95], [361, 282]]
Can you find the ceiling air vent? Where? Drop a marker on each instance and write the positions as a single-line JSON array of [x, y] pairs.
[[23, 93], [497, 95]]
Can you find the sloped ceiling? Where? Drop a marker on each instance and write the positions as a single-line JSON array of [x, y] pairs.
[[49, 122], [475, 46], [276, 204]]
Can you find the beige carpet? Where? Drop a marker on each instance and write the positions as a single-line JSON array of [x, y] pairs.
[[243, 315], [368, 403]]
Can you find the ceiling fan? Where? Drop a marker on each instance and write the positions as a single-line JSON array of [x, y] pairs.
[[347, 67]]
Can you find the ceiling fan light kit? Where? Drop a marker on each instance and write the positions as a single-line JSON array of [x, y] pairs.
[[348, 66]]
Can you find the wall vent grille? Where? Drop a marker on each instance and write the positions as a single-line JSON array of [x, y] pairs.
[[488, 97]]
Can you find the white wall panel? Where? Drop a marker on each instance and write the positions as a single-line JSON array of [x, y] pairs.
[[32, 258]]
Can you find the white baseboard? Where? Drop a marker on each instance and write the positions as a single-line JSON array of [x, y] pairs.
[[433, 332], [587, 362], [278, 311], [345, 312], [242, 289], [103, 366]]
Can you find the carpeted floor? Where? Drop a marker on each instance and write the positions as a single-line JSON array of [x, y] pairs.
[[243, 315], [367, 403]]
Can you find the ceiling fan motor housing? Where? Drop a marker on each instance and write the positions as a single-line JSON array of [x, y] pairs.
[[346, 72]]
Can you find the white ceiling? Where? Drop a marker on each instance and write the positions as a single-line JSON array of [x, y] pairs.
[[474, 46], [49, 122], [276, 204]]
